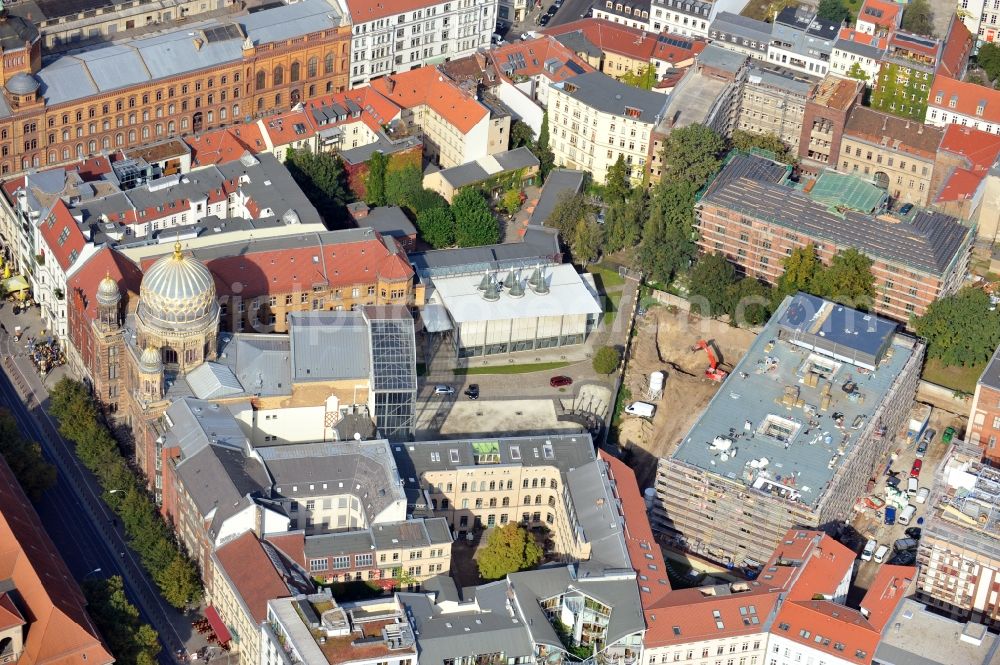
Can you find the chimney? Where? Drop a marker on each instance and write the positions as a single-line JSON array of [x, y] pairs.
[[197, 43], [390, 84]]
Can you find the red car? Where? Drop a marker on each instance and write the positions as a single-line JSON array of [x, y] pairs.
[[560, 381], [915, 471]]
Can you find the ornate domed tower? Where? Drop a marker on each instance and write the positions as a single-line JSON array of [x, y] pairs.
[[108, 300], [150, 375], [178, 312]]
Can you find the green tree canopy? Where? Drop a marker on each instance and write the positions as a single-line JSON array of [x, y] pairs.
[[521, 134], [960, 329], [378, 167], [749, 302], [437, 227], [617, 182], [668, 235], [475, 224], [509, 548], [711, 279], [801, 268], [25, 458], [848, 280], [644, 77], [833, 10], [512, 200], [989, 59], [692, 154], [606, 360], [918, 17], [567, 212], [323, 181], [856, 72], [541, 149], [402, 185], [623, 221], [132, 641], [426, 199], [586, 241], [744, 140]]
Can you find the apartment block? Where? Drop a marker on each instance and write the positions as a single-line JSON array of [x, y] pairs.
[[959, 554], [858, 55], [965, 178], [897, 154], [753, 216], [741, 34], [774, 102], [952, 101], [455, 125], [802, 41], [594, 120], [984, 416], [388, 38], [777, 448]]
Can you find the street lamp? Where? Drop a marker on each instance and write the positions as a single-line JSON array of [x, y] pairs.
[[114, 491]]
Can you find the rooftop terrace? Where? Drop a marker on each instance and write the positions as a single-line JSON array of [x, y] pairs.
[[799, 400], [966, 502]]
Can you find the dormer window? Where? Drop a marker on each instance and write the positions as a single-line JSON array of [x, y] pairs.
[[981, 107], [939, 97], [953, 102]]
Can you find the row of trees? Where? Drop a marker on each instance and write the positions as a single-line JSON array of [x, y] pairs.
[[149, 536], [25, 458], [323, 180], [960, 329], [509, 548], [130, 639]]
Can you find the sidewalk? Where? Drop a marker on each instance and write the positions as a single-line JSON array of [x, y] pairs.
[[23, 374]]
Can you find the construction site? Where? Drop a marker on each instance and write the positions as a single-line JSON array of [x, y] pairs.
[[793, 434], [665, 341]]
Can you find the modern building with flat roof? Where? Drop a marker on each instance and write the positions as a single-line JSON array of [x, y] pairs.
[[517, 310], [792, 436], [916, 635], [755, 216]]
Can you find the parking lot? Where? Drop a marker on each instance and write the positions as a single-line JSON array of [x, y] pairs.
[[871, 523]]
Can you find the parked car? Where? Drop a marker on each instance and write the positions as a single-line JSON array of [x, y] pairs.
[[921, 448], [892, 481], [905, 558], [949, 434], [913, 532], [472, 392], [552, 9], [912, 486], [907, 514], [928, 436], [915, 471], [880, 553], [641, 409], [923, 494], [442, 389], [890, 515], [544, 20], [560, 381], [525, 36], [869, 550], [905, 210]]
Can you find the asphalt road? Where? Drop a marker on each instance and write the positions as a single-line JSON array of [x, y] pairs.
[[572, 10], [81, 525]]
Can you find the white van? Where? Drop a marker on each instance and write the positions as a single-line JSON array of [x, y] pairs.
[[907, 514], [880, 553], [912, 485], [641, 409], [869, 550]]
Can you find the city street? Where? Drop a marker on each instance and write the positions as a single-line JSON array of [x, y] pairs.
[[76, 519], [572, 10]]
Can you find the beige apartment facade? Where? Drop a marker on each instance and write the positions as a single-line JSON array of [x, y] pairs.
[[773, 104]]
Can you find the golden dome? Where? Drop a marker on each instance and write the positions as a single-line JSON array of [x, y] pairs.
[[150, 361], [177, 294], [107, 291]]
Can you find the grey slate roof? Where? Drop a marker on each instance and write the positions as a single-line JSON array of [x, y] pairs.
[[464, 174], [72, 77], [539, 246], [578, 43], [389, 221], [718, 57], [384, 144], [765, 77], [212, 380], [559, 182], [603, 93], [991, 375], [328, 345], [259, 362], [858, 48], [742, 26], [364, 469], [518, 158], [482, 169], [384, 536], [929, 241]]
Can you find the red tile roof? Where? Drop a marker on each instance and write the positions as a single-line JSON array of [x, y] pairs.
[[376, 110], [63, 237], [687, 615], [881, 13], [251, 574], [643, 550], [810, 562], [291, 544], [886, 590], [967, 96], [427, 86], [10, 616], [875, 41], [60, 632], [225, 145], [957, 49], [841, 631], [363, 11], [979, 150], [631, 42], [82, 286], [962, 184], [534, 54]]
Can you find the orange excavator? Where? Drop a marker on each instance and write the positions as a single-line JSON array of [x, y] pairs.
[[712, 371]]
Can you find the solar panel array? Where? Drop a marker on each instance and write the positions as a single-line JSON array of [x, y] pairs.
[[223, 33]]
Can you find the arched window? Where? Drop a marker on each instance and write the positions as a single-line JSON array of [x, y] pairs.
[[169, 355], [159, 129], [52, 157], [260, 104], [171, 109], [171, 127], [277, 100], [236, 111], [261, 80], [312, 91], [312, 67], [106, 143], [132, 118], [106, 125], [279, 76], [295, 72], [145, 132], [65, 135], [119, 139], [131, 136], [65, 153], [328, 64], [79, 148], [92, 128], [91, 147], [223, 113]]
